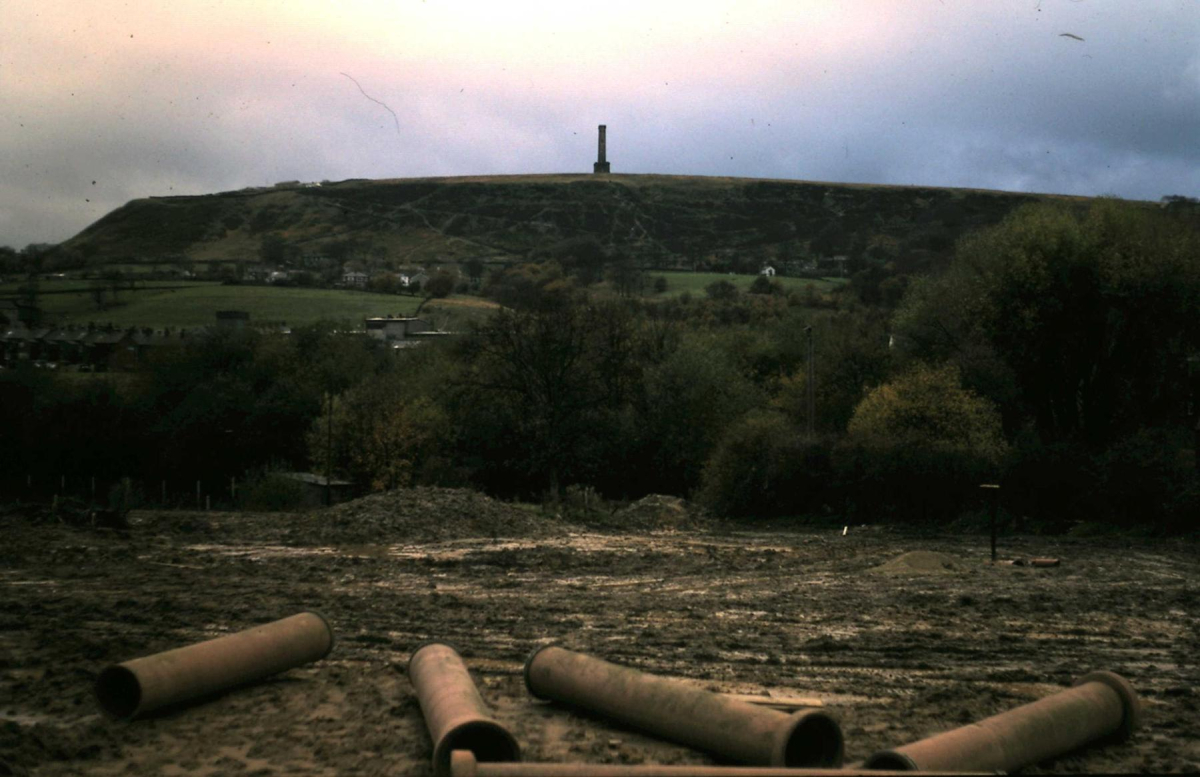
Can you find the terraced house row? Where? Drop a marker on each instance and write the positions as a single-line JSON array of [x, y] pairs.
[[84, 348]]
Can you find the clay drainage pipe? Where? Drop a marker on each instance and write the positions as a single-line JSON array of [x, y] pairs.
[[174, 676], [454, 711], [463, 764], [1100, 705], [674, 710]]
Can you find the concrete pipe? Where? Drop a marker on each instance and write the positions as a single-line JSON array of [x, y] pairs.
[[668, 708], [145, 684], [1100, 705], [454, 711], [463, 764]]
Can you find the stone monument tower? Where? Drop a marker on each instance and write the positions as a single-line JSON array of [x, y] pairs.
[[601, 165]]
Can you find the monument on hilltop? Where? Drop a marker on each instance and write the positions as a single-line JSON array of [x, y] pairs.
[[601, 165]]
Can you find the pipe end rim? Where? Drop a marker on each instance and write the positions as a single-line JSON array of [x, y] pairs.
[[118, 692], [328, 627], [412, 655], [892, 761], [1131, 705], [487, 741], [809, 738], [525, 672]]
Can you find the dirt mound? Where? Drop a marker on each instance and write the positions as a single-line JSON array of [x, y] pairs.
[[921, 562], [403, 515], [656, 512], [422, 515]]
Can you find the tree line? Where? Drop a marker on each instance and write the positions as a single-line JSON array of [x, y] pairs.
[[1057, 356]]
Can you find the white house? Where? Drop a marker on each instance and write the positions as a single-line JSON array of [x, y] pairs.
[[419, 277], [355, 278], [768, 271]]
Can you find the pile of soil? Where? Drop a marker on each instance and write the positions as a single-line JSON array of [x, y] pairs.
[[425, 515], [921, 562], [403, 515], [658, 512]]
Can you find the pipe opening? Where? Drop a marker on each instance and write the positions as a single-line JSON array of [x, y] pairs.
[[119, 692], [529, 668], [487, 740], [890, 760], [814, 740]]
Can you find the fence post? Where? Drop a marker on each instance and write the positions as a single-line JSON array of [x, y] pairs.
[[197, 494], [995, 490]]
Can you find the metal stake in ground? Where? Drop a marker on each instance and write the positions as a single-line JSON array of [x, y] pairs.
[[995, 489]]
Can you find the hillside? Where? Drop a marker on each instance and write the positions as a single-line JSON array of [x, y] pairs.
[[655, 220]]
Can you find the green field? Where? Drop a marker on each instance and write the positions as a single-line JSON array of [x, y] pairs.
[[695, 282], [197, 304]]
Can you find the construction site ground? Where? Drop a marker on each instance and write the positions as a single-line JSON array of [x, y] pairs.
[[899, 634]]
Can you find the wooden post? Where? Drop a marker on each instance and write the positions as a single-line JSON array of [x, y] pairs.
[[995, 489], [164, 493], [198, 495], [810, 387], [329, 453]]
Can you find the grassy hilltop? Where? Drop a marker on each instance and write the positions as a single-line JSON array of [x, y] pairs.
[[687, 222]]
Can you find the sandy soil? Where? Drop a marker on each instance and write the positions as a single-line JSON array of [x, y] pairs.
[[894, 653]]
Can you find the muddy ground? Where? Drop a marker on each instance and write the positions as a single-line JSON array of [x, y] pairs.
[[895, 653]]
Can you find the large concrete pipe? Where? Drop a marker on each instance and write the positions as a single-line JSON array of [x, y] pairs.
[[183, 674], [1100, 705], [668, 708], [454, 711], [464, 764]]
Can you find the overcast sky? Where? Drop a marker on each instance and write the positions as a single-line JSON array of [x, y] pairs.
[[103, 101]]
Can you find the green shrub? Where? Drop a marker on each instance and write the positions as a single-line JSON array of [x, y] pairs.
[[920, 445], [1146, 482], [763, 466]]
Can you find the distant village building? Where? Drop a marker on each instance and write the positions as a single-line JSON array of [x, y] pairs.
[[768, 271], [392, 329], [355, 278], [419, 278], [314, 488]]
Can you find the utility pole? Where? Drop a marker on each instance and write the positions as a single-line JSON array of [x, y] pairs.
[[329, 451]]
